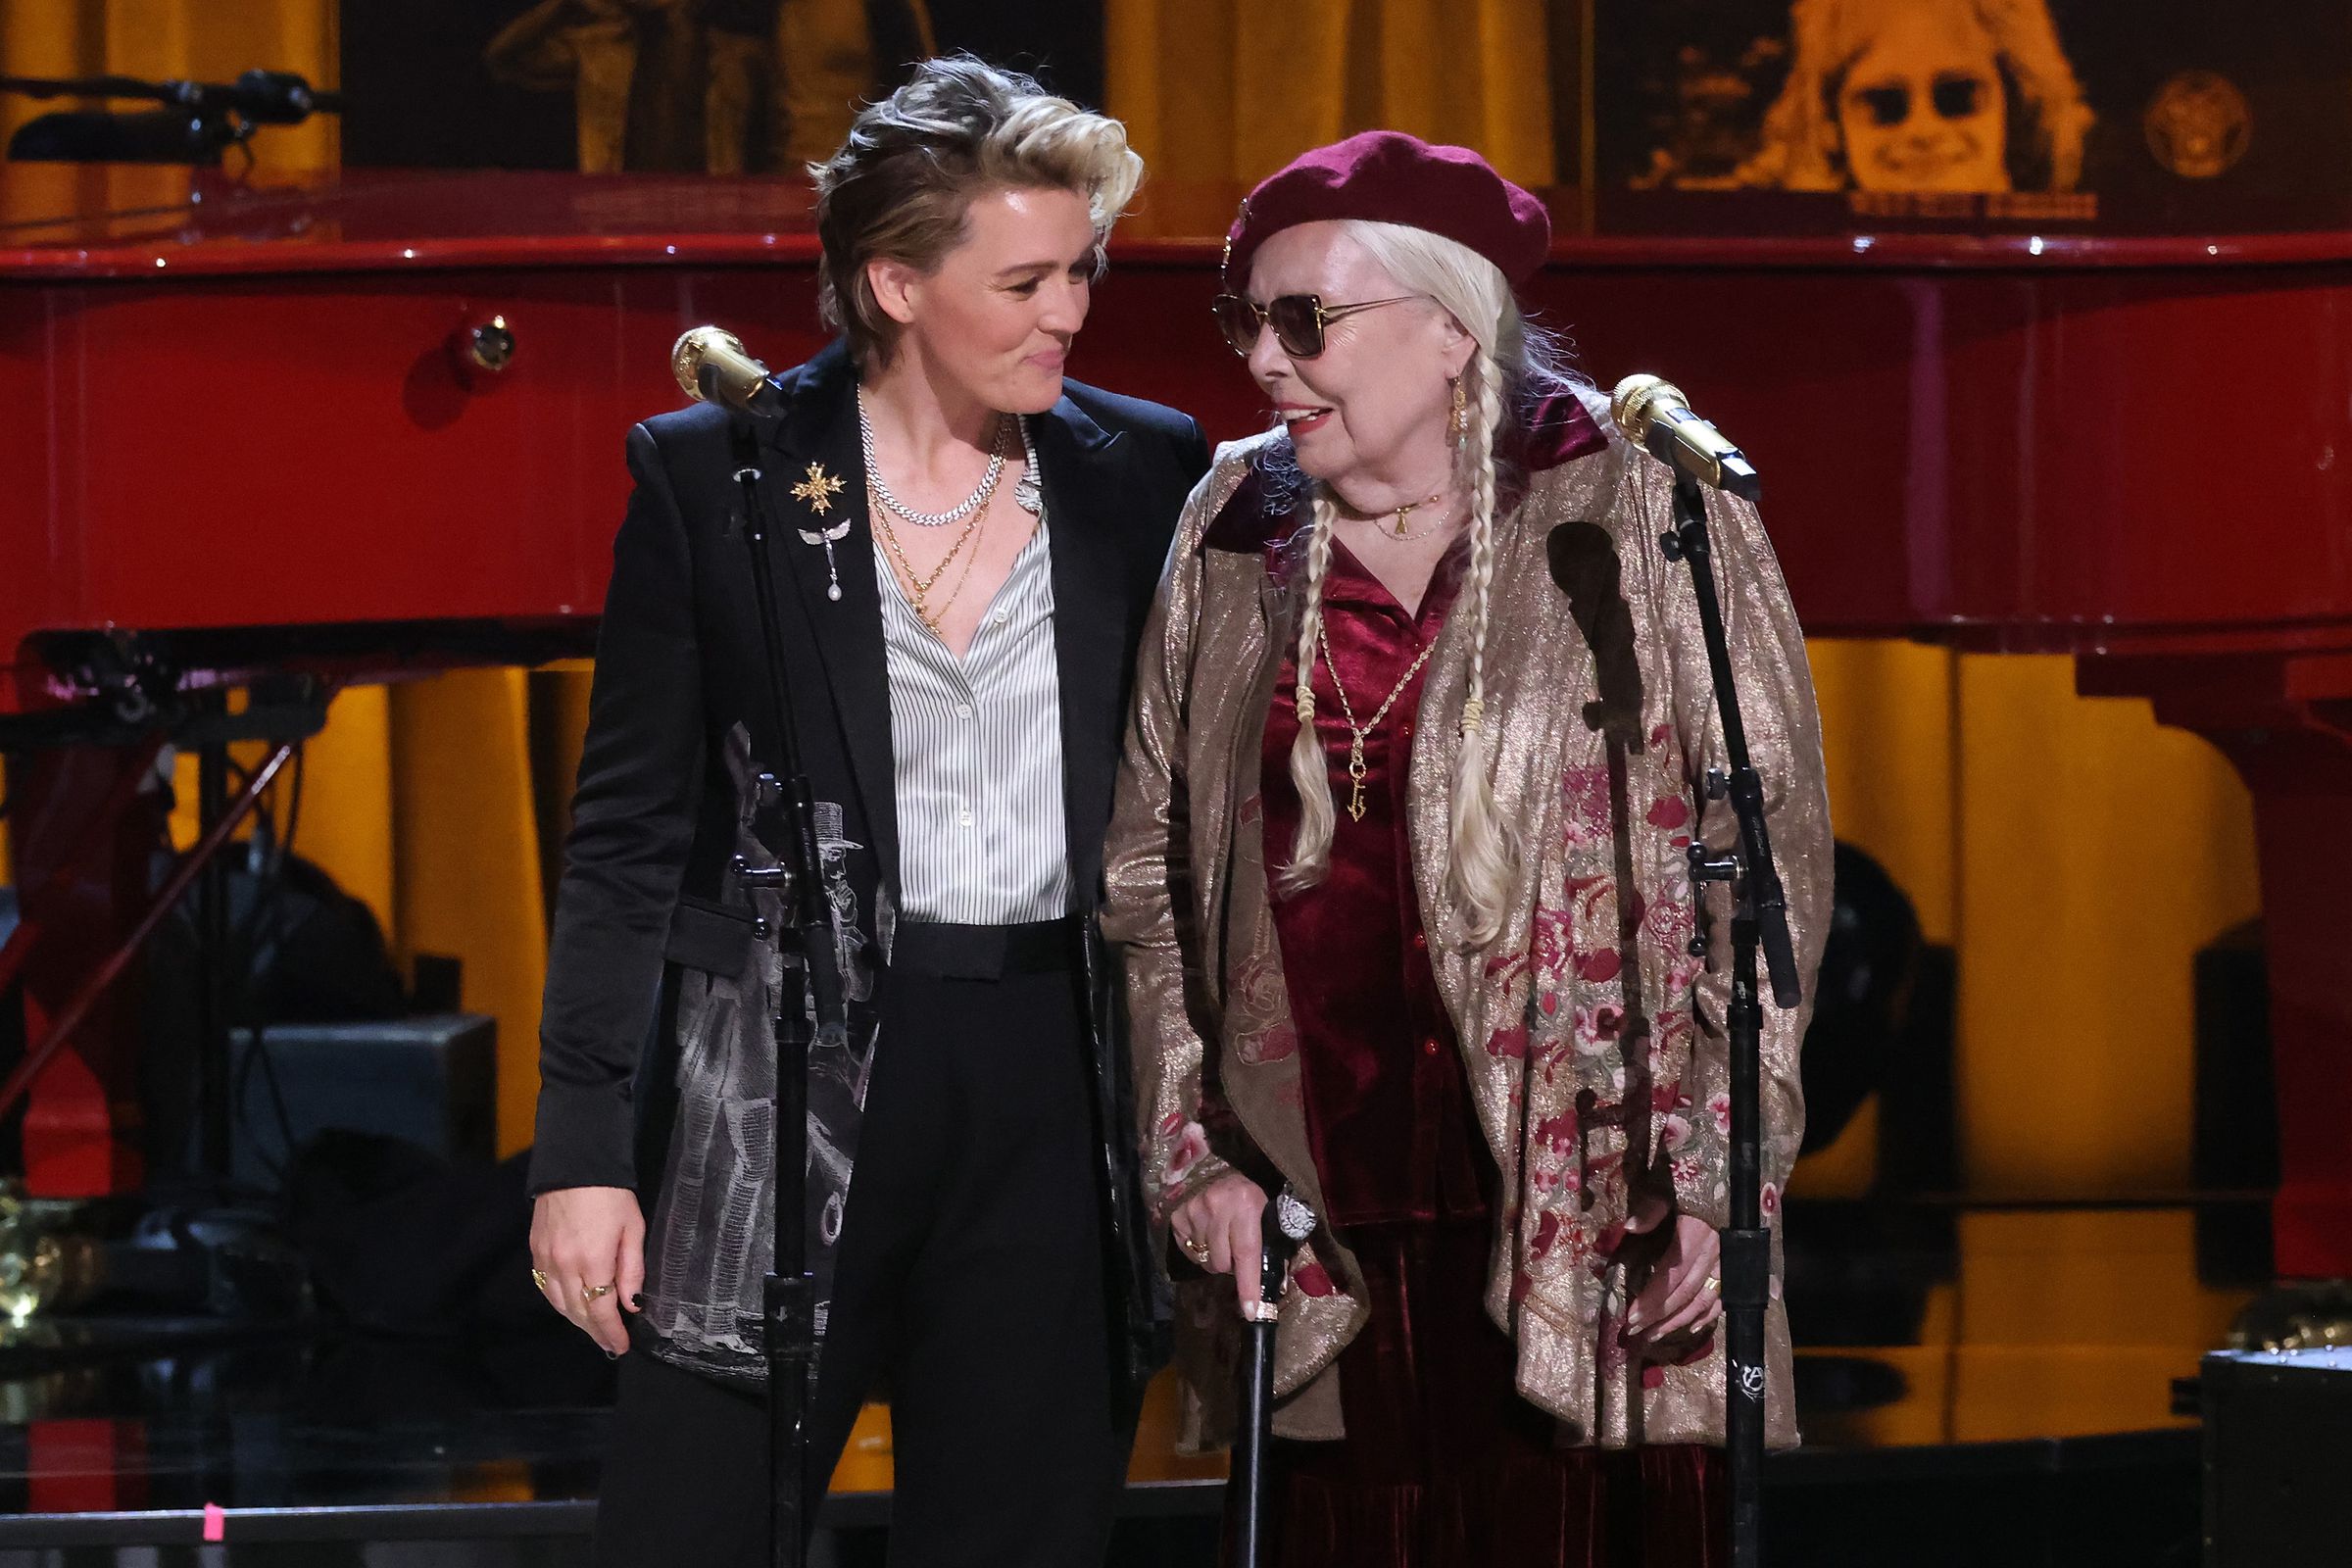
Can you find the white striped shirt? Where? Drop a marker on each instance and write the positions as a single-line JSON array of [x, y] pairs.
[[982, 838]]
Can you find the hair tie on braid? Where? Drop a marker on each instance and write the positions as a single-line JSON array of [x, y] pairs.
[[1474, 715]]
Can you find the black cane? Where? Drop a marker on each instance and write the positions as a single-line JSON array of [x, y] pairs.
[[1287, 1223], [1759, 917], [785, 825]]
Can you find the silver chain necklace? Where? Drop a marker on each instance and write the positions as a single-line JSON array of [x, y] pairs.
[[931, 519], [1027, 494]]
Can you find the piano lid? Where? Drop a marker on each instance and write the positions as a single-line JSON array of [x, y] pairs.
[[2082, 442], [122, 221], [129, 221]]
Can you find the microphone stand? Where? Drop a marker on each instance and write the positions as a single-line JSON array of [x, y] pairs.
[[785, 823], [1759, 917], [197, 123], [1288, 1222]]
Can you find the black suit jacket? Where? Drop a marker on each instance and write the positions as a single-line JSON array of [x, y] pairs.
[[679, 666]]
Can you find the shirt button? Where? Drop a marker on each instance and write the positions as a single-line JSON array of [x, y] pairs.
[[963, 709], [964, 816], [1420, 942], [1002, 617], [1406, 731], [1429, 1047]]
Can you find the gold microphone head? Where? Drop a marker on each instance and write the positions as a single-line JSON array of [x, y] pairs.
[[1684, 440], [1638, 401], [712, 366]]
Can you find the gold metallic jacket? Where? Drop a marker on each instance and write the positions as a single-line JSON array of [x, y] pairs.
[[1592, 1039]]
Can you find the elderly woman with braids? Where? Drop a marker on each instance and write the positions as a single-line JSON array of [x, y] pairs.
[[1422, 726]]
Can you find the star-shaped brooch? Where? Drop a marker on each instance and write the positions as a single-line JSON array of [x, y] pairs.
[[818, 489]]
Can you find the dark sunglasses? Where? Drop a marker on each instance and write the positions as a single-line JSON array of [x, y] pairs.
[[1297, 320], [1954, 97]]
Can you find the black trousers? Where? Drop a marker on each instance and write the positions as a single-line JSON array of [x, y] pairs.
[[969, 1290]]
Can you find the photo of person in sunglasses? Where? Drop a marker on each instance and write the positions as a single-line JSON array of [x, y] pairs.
[[1924, 96]]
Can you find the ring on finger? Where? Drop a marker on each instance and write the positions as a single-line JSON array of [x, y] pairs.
[[539, 1278], [1714, 1283], [591, 1294], [1194, 1248]]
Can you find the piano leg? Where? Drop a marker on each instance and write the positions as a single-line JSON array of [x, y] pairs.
[[82, 880], [2302, 783], [2287, 724]]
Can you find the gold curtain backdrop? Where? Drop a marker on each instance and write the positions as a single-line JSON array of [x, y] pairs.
[[1226, 92], [204, 41], [2074, 854], [1217, 94]]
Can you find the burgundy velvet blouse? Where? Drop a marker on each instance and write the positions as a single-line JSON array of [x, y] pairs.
[[1388, 1109]]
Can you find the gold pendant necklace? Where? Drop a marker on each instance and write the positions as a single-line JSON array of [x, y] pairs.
[[918, 586], [1407, 510], [1357, 772]]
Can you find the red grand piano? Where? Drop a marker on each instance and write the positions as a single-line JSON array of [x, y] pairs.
[[287, 437]]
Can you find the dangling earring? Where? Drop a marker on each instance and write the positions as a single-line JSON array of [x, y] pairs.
[[1460, 426]]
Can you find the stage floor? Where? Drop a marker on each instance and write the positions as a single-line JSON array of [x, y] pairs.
[[2019, 1409]]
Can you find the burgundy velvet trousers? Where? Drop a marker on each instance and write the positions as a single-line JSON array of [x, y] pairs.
[[1446, 1466]]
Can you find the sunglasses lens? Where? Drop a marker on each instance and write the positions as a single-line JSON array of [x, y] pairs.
[[1956, 97], [1297, 320], [1887, 106], [1236, 321]]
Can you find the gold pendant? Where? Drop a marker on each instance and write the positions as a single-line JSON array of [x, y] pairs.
[[1355, 777], [1403, 513]]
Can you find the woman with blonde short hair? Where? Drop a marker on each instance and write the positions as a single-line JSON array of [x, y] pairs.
[[964, 544]]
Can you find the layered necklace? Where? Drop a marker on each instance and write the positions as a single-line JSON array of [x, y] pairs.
[[921, 586], [1399, 533], [1357, 734], [1409, 507], [972, 503]]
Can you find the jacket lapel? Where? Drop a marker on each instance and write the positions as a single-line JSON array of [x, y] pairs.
[[817, 441], [1077, 474]]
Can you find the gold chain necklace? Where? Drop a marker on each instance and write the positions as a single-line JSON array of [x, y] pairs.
[[1402, 537], [935, 622], [1356, 770], [918, 586], [1408, 508]]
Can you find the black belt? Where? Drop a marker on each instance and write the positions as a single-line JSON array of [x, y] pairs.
[[986, 952]]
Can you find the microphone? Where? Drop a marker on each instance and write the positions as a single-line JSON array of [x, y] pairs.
[[272, 97], [712, 366], [202, 117], [1657, 417]]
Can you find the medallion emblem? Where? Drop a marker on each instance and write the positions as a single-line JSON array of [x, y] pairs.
[[2199, 124]]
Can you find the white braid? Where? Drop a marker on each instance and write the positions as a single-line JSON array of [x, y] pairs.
[[1479, 874], [1310, 772]]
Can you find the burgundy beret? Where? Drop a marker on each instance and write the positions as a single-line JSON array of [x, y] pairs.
[[1390, 177]]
